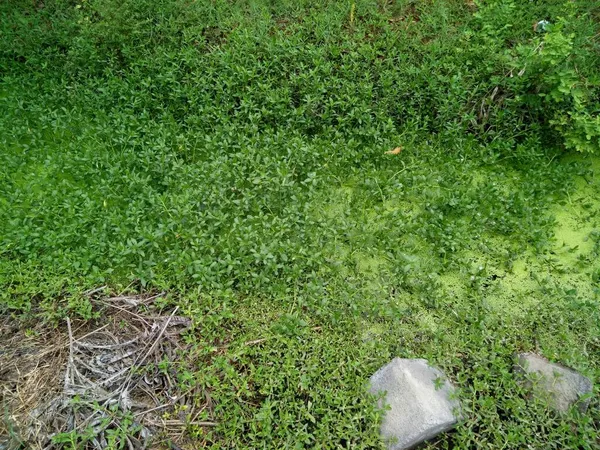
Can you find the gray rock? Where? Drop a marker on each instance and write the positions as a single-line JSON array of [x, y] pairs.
[[559, 386], [420, 401]]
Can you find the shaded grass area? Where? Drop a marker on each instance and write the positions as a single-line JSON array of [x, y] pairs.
[[232, 154]]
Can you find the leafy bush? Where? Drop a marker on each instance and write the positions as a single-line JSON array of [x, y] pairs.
[[550, 80]]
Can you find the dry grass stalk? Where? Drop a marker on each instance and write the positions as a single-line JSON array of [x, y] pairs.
[[101, 381]]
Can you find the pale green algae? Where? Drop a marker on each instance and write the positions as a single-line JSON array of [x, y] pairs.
[[509, 280], [567, 262]]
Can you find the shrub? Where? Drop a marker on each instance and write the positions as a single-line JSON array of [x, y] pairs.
[[550, 79]]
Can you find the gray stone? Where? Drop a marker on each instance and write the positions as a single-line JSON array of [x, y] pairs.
[[559, 386], [420, 402]]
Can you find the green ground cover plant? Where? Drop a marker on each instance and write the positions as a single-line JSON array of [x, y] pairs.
[[232, 155]]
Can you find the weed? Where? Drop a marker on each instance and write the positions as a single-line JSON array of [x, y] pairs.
[[233, 154]]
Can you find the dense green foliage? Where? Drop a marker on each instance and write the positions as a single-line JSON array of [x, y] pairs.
[[231, 153]]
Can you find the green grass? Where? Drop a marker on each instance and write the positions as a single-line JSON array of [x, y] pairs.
[[232, 154]]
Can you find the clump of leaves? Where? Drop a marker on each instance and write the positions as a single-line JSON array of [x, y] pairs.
[[551, 78]]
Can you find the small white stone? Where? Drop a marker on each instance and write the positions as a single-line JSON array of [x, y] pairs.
[[560, 386], [420, 399]]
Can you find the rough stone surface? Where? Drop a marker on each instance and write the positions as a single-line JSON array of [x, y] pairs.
[[420, 402], [559, 386]]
